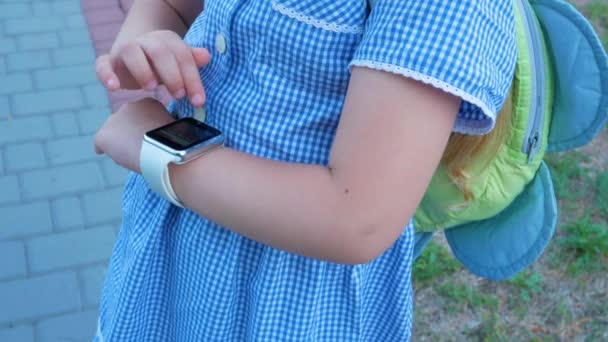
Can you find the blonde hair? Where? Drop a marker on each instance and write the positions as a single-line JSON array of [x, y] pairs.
[[463, 149]]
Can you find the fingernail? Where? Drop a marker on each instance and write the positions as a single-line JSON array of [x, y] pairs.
[[197, 100], [179, 94], [151, 85], [111, 82]]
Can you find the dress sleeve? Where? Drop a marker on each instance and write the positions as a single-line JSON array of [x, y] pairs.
[[464, 47]]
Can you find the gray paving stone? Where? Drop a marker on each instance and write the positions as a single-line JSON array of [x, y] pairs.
[[15, 82], [31, 33], [21, 333], [12, 260], [115, 175], [92, 283], [79, 247], [25, 220], [4, 108], [103, 206], [24, 129], [76, 21], [37, 41], [7, 45], [79, 326], [62, 180], [96, 95], [13, 10], [48, 101], [24, 156], [91, 120], [9, 189], [65, 124], [66, 7], [72, 149], [41, 8], [65, 76], [74, 55], [30, 60], [67, 213], [33, 25], [40, 296], [75, 37]]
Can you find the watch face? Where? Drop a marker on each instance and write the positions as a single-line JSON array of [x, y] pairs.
[[183, 133]]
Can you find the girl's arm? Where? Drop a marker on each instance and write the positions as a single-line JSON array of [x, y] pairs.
[[390, 139]]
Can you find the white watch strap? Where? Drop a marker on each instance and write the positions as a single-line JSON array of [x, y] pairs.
[[154, 164]]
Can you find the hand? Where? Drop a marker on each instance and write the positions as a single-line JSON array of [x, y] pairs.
[[158, 57], [121, 135]]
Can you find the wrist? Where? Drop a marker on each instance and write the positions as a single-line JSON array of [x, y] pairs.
[[182, 176], [174, 171], [149, 104]]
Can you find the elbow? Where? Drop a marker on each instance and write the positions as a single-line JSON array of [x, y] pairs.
[[363, 230], [360, 257], [367, 242]]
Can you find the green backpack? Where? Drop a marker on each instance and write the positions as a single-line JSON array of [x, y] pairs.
[[560, 102]]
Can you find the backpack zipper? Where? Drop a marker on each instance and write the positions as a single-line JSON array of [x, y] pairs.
[[532, 140]]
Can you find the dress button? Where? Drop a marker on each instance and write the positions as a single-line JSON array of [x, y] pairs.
[[220, 43]]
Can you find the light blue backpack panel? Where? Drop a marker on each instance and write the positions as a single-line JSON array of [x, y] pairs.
[[581, 101]]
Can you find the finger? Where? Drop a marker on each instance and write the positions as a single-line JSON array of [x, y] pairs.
[[201, 56], [98, 150], [166, 68], [105, 72], [134, 59], [189, 73]]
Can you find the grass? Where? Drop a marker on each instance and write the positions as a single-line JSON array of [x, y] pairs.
[[585, 245], [460, 296], [528, 284], [568, 174], [434, 262], [583, 195], [602, 193]]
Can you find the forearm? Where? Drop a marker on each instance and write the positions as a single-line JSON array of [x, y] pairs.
[[153, 15], [352, 210], [295, 207]]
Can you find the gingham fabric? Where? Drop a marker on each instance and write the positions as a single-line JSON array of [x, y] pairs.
[[277, 92]]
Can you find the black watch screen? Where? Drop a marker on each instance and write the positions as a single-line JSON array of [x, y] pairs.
[[184, 133]]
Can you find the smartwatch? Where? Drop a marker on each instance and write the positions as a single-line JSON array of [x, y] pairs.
[[178, 142]]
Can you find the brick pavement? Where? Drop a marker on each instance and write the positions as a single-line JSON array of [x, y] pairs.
[[59, 203]]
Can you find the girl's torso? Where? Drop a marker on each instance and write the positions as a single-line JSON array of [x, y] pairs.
[[275, 86]]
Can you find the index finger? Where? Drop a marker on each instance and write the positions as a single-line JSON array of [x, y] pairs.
[[105, 72], [190, 75]]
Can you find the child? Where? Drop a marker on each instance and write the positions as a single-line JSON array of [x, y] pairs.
[[335, 119]]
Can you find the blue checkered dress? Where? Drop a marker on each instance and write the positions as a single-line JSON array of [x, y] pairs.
[[277, 92]]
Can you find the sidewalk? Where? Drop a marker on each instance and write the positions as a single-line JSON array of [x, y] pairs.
[[59, 203]]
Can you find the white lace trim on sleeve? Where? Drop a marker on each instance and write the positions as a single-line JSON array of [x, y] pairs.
[[316, 22], [476, 127]]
